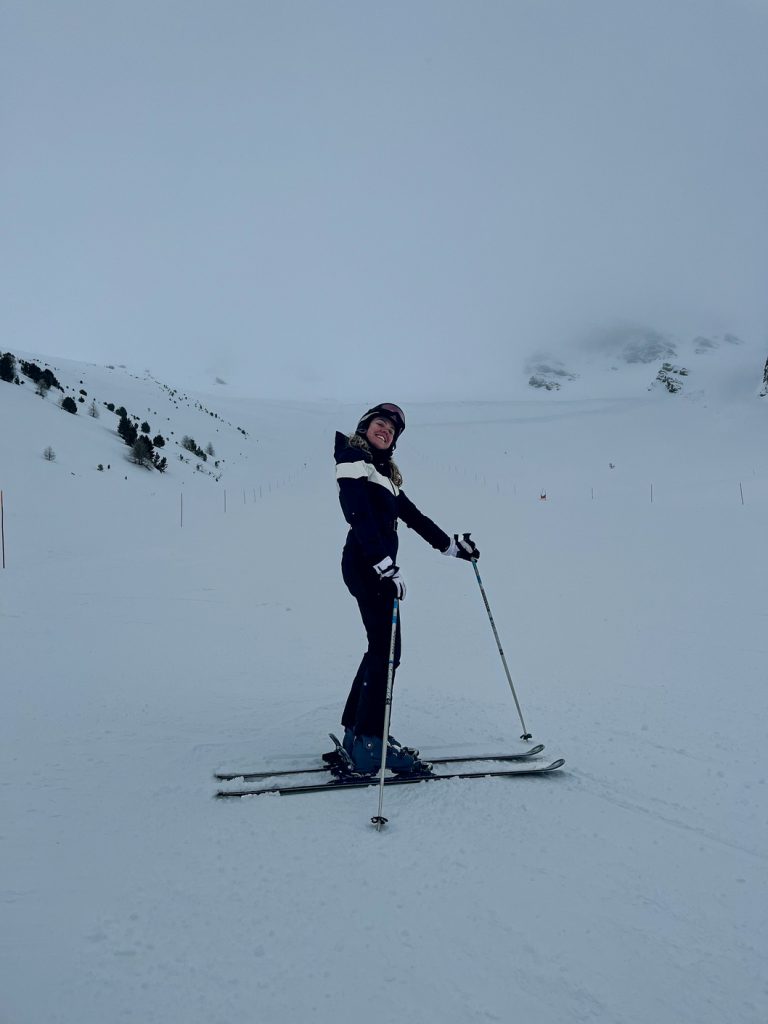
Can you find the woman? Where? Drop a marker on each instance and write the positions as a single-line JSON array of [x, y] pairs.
[[372, 500]]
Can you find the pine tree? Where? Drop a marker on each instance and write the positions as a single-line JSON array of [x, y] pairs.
[[142, 451], [127, 431], [31, 370], [7, 367], [69, 405]]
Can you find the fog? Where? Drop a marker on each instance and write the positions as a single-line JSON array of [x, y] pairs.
[[316, 198]]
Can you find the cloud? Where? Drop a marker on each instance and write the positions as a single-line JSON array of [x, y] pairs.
[[318, 197]]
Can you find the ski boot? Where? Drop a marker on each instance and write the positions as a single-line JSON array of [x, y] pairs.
[[349, 741], [406, 750], [366, 755], [341, 763]]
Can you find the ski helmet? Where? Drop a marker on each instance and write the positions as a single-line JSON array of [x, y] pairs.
[[388, 411]]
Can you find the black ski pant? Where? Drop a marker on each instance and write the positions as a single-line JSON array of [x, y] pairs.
[[365, 707]]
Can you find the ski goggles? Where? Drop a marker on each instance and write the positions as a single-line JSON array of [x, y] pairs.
[[393, 412]]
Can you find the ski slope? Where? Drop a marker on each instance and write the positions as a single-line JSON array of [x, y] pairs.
[[143, 651]]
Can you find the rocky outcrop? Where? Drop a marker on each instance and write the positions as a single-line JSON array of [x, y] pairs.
[[549, 374]]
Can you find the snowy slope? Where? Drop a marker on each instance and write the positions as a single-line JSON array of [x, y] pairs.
[[140, 654], [626, 362]]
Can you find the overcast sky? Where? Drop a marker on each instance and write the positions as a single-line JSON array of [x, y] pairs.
[[357, 198]]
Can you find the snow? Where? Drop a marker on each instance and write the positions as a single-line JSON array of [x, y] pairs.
[[140, 655]]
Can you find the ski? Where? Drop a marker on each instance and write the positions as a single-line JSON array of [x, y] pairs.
[[522, 755], [356, 782]]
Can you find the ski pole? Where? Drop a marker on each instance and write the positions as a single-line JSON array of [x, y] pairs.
[[526, 735], [379, 821]]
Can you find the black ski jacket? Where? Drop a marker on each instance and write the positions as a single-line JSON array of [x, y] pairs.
[[372, 505]]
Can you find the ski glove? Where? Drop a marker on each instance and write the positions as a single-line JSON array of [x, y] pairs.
[[389, 574], [462, 546]]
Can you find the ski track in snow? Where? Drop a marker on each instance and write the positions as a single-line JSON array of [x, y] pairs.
[[604, 791], [140, 656]]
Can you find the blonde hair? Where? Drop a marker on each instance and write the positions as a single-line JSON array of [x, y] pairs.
[[357, 441]]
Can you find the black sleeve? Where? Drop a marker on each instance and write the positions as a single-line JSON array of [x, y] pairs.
[[426, 529]]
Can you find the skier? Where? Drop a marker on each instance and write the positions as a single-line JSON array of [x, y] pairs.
[[372, 500]]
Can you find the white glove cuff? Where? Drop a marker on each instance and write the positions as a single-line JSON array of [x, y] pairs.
[[452, 550], [382, 566]]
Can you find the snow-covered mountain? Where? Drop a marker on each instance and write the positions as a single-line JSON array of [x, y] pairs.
[[158, 626], [628, 360]]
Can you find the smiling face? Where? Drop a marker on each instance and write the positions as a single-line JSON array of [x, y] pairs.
[[380, 433]]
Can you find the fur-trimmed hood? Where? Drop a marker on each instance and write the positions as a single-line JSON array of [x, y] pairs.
[[381, 460]]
